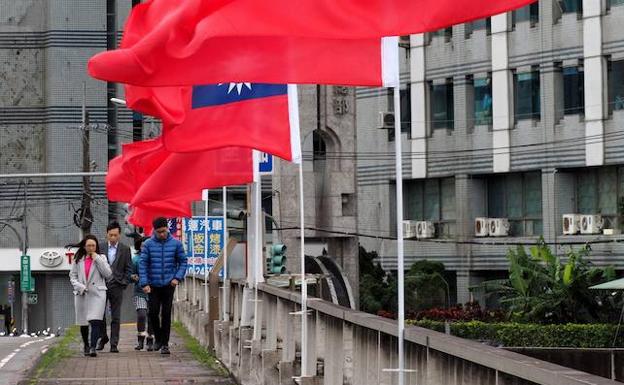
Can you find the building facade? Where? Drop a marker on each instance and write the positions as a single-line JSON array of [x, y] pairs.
[[518, 116], [44, 48]]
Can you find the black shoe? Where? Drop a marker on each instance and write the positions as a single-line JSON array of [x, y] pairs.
[[139, 346], [164, 350], [150, 344], [157, 346], [114, 349], [100, 345], [92, 352], [86, 350]]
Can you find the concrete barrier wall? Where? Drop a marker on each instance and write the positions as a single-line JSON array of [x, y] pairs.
[[260, 342]]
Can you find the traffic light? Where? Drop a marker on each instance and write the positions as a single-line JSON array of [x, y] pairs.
[[277, 259]]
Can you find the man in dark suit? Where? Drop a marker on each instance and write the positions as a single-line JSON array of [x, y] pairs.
[[120, 261]]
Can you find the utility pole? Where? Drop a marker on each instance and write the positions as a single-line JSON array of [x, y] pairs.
[[86, 216], [25, 252]]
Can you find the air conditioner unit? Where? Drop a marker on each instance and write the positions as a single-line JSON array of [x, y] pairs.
[[386, 120], [482, 227], [591, 224], [425, 229], [571, 224], [409, 229], [499, 227]]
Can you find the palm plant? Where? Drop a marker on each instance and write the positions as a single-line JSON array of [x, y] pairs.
[[543, 288]]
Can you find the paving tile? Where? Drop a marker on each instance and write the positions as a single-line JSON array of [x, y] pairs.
[[130, 366]]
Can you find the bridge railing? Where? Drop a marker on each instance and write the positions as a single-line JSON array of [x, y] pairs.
[[259, 342]]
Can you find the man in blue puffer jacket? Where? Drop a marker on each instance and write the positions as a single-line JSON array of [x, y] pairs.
[[161, 268]]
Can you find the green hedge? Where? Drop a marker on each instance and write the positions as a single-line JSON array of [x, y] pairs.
[[532, 335]]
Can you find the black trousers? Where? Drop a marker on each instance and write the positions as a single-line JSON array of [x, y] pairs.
[[97, 327], [160, 302], [114, 295], [142, 321]]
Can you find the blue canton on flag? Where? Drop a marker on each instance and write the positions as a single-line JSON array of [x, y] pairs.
[[213, 95]]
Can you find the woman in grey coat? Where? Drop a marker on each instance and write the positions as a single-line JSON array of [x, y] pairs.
[[88, 277]]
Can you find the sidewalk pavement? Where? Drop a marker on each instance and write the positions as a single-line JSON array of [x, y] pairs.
[[133, 367]]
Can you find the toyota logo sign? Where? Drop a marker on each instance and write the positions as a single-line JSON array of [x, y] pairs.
[[50, 259]]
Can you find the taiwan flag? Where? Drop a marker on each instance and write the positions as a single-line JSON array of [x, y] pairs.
[[258, 116]]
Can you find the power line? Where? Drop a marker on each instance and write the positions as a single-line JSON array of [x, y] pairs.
[[458, 242]]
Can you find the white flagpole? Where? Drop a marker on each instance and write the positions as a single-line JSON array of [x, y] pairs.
[[390, 74], [257, 254], [399, 216], [225, 257], [206, 243], [193, 265], [295, 140], [183, 240], [304, 286]]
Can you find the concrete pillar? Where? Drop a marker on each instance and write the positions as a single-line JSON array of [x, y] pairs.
[[347, 341], [595, 67], [419, 101], [334, 351], [465, 280], [288, 330], [244, 368], [502, 93], [311, 345], [270, 363], [270, 305]]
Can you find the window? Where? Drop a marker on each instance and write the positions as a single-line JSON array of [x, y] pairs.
[[614, 3], [527, 95], [616, 85], [319, 148], [517, 197], [446, 33], [482, 24], [442, 114], [348, 205], [598, 191], [569, 6], [528, 13], [573, 91], [478, 25], [137, 126], [482, 101], [432, 200], [406, 111]]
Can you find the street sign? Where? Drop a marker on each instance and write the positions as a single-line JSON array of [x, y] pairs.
[[25, 278], [266, 164], [195, 242], [32, 298], [11, 292]]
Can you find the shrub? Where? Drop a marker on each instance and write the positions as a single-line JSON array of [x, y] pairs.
[[531, 335], [471, 311]]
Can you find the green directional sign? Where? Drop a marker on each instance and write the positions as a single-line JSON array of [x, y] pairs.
[[25, 277]]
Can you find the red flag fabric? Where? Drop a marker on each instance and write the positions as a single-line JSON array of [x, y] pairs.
[[184, 175], [143, 216], [154, 52], [147, 175], [332, 19], [120, 186]]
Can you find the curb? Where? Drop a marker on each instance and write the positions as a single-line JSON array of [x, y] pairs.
[[28, 374]]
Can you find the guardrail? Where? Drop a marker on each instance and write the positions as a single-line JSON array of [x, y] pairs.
[[259, 341]]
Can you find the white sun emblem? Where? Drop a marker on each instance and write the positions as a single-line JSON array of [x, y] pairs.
[[237, 86]]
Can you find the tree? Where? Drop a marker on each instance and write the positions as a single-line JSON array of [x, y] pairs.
[[377, 288], [544, 289], [425, 286]]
